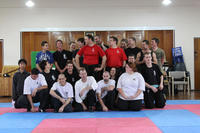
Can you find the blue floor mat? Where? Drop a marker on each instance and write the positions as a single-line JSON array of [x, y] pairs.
[[5, 105], [183, 101], [16, 130], [173, 117], [111, 114], [180, 129], [21, 120], [168, 121]]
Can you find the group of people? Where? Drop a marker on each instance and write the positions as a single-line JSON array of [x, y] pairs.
[[93, 77]]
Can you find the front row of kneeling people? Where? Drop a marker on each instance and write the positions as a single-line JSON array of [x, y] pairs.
[[88, 95]]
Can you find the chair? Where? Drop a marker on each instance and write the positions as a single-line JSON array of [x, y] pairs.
[[6, 82], [166, 82], [179, 78]]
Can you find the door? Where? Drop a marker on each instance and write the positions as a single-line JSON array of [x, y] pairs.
[[197, 62], [1, 55]]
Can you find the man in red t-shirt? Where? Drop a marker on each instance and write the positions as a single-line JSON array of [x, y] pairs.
[[116, 56], [91, 53]]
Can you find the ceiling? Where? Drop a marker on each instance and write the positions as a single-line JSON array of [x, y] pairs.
[[94, 3]]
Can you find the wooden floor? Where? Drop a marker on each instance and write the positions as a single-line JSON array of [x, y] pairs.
[[194, 95]]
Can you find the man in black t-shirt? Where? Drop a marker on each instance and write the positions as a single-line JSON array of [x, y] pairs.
[[61, 57], [80, 43], [51, 77], [71, 74], [18, 80], [132, 48], [153, 82]]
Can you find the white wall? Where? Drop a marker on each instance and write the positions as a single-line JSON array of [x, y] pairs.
[[184, 19]]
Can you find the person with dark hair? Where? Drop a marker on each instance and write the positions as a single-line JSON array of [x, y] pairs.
[[91, 53], [62, 93], [99, 42], [130, 86], [131, 58], [145, 49], [50, 76], [80, 43], [35, 90], [116, 56], [105, 93], [71, 74], [113, 74], [72, 46], [153, 82], [85, 92], [132, 48], [61, 56], [18, 80], [124, 44], [44, 55], [160, 53]]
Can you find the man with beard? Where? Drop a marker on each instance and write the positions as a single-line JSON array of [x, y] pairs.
[[105, 93]]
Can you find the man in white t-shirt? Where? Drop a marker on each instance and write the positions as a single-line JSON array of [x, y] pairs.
[[85, 92], [62, 94], [105, 93], [35, 90]]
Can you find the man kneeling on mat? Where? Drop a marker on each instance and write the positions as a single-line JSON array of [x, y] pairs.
[[105, 93], [153, 82], [35, 90], [62, 93]]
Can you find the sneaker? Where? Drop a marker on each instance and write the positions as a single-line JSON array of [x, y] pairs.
[[41, 110]]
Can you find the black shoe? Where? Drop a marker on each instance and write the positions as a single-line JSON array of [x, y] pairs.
[[28, 109], [41, 110], [91, 109]]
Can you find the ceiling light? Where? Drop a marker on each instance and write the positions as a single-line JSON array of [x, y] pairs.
[[30, 3], [166, 2]]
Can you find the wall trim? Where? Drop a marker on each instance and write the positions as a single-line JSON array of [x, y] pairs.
[[97, 29]]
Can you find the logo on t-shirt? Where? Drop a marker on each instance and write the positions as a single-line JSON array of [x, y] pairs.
[[53, 77], [64, 56], [154, 73], [93, 50], [118, 51]]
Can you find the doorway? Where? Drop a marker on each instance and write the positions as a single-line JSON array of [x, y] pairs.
[[197, 62], [1, 55]]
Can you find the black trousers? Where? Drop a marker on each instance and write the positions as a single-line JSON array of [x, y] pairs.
[[108, 100], [129, 105], [153, 100], [41, 96], [57, 104], [91, 72], [89, 101]]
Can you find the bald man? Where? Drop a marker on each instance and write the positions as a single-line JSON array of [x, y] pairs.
[[62, 93]]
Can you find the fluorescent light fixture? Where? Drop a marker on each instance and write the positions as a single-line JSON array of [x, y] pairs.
[[166, 2], [30, 3]]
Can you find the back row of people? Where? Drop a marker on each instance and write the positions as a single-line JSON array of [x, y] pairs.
[[95, 58]]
